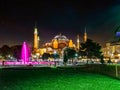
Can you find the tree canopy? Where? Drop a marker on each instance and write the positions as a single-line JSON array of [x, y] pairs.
[[69, 53], [45, 56], [90, 49]]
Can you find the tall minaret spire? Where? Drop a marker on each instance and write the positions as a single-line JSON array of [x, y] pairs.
[[35, 37], [60, 34], [78, 42], [85, 35], [38, 41]]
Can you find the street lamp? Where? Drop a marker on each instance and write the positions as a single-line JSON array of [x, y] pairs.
[[55, 53], [76, 55], [76, 58]]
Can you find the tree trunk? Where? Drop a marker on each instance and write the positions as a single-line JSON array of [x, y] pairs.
[[65, 64], [87, 61]]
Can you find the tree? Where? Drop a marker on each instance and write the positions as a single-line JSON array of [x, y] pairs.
[[90, 49], [102, 59], [16, 50], [109, 61], [45, 56], [69, 53], [55, 56], [6, 51], [65, 58]]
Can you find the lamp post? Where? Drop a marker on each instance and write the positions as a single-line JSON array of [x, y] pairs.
[[55, 57], [76, 58]]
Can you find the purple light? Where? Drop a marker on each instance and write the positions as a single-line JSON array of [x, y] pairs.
[[24, 53], [118, 34], [33, 63]]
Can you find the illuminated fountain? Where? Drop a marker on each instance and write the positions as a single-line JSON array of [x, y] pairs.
[[25, 54]]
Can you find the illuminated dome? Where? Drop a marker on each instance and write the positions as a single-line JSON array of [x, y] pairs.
[[62, 41], [61, 37]]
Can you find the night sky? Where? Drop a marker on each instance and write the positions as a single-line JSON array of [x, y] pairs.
[[18, 17]]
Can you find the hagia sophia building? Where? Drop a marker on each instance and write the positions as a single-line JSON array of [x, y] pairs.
[[56, 45], [59, 42]]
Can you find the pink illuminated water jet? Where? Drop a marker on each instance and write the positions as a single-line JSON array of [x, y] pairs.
[[25, 53]]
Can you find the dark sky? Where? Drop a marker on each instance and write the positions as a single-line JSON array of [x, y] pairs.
[[18, 17]]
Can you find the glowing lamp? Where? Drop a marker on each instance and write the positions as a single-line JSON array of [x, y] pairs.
[[118, 34]]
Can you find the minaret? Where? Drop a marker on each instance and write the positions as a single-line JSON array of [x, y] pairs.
[[60, 34], [38, 41], [85, 35], [35, 38], [78, 42]]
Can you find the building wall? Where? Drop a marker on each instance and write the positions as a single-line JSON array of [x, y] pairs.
[[111, 51]]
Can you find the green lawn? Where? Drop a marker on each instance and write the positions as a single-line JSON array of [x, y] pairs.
[[54, 79]]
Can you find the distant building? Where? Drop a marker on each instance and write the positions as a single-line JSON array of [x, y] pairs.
[[112, 48], [56, 45]]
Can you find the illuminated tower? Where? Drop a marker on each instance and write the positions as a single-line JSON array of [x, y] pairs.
[[35, 38], [78, 42], [70, 43], [38, 41], [85, 35], [55, 44]]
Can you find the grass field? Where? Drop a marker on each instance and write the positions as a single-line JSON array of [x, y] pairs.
[[54, 79]]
